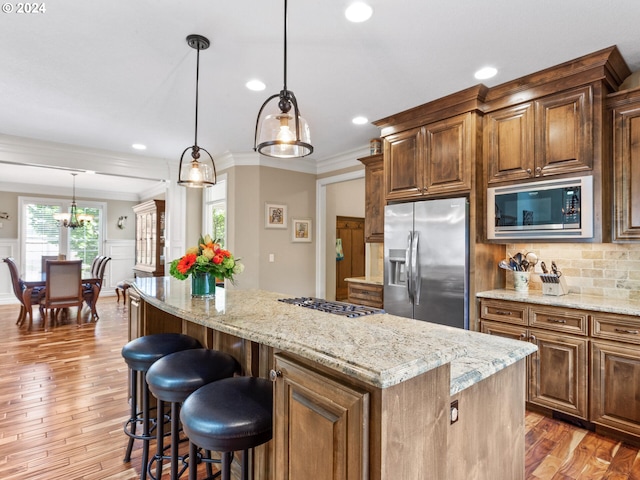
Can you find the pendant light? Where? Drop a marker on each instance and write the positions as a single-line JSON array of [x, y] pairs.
[[195, 173], [72, 219], [282, 133]]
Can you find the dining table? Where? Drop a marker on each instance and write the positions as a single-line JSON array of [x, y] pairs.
[[33, 281]]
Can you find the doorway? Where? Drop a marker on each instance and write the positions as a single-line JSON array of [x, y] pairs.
[[350, 232]]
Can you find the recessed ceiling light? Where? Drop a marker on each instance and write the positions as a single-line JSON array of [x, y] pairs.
[[255, 85], [358, 12], [486, 72], [138, 146], [360, 120]]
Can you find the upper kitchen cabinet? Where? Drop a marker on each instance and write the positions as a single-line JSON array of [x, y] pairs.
[[374, 198], [625, 108], [551, 122], [431, 150], [150, 225]]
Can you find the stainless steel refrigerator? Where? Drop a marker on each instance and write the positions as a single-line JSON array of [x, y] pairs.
[[426, 247]]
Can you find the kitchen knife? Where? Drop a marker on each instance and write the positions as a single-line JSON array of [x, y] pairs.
[[544, 268]]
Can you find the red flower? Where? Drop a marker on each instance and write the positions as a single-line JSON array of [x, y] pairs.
[[217, 259], [224, 253], [186, 263]]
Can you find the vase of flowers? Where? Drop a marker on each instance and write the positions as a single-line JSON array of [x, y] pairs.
[[205, 263]]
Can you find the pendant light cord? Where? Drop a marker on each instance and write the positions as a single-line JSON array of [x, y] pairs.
[[285, 45], [195, 142]]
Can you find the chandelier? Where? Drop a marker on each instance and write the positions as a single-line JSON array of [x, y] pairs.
[[73, 219]]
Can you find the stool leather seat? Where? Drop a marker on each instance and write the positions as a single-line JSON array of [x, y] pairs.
[[230, 415], [142, 352], [174, 377]]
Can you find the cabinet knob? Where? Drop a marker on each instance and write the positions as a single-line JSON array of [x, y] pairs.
[[538, 171], [274, 374], [533, 338], [529, 171], [523, 335]]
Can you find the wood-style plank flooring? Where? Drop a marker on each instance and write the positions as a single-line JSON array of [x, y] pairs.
[[63, 401]]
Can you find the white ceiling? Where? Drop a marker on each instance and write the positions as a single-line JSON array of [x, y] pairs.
[[106, 74]]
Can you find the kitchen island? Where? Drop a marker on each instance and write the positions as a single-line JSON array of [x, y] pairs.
[[367, 398]]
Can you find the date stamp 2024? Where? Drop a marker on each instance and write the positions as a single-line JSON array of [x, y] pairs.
[[24, 8]]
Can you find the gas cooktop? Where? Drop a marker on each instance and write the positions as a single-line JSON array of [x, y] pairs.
[[330, 306]]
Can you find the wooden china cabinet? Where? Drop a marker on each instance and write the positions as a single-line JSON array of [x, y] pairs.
[[150, 228]]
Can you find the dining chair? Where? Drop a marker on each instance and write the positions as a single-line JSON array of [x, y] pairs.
[[18, 290], [63, 288], [91, 291], [46, 258]]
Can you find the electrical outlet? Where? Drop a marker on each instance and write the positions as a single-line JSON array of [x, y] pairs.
[[272, 257], [454, 412]]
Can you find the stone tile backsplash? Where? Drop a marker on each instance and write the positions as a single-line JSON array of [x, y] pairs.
[[604, 269]]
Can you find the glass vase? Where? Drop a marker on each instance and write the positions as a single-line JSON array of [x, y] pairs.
[[203, 284]]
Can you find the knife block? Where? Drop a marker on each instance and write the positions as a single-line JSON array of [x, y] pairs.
[[554, 285]]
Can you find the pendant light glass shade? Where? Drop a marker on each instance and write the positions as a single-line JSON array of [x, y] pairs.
[[281, 131], [195, 173], [72, 219]]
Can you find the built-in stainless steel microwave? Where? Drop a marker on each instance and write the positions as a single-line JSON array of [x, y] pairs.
[[541, 210]]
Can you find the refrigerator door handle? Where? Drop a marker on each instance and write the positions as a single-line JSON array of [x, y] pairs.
[[408, 269], [415, 269]]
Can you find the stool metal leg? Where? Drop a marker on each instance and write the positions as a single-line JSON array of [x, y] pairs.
[[159, 441], [244, 465], [193, 461], [133, 419], [145, 428], [175, 439], [227, 457]]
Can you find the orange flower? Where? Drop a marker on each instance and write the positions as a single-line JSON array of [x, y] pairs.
[[218, 259], [186, 263], [224, 253]]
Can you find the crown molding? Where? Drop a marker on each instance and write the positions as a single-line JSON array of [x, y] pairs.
[[343, 160], [32, 189]]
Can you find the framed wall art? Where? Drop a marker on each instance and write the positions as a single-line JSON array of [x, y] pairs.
[[275, 215], [301, 230]]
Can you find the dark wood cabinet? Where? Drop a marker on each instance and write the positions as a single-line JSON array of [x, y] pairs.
[[625, 108], [432, 160], [321, 425], [551, 135], [150, 227], [369, 294], [587, 363], [374, 201], [558, 371], [350, 231]]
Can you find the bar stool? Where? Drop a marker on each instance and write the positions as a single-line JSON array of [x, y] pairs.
[[172, 379], [140, 354], [229, 415]]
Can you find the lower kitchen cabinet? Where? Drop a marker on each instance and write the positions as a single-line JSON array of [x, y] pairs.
[[321, 428], [615, 387], [558, 372], [587, 363], [368, 294]]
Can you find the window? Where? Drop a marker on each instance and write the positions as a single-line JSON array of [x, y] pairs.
[[42, 236], [215, 210]]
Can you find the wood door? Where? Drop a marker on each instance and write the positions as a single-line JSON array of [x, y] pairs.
[[403, 164], [508, 143], [374, 201], [626, 162], [321, 425], [449, 154], [563, 132], [558, 372], [351, 231], [615, 385]]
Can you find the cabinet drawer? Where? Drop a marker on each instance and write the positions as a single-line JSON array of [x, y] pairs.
[[559, 320], [622, 328], [363, 294], [510, 312]]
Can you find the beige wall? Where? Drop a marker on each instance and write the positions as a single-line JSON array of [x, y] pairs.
[[608, 269], [344, 199], [9, 204]]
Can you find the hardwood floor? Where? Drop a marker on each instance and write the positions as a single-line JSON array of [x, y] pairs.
[[63, 401]]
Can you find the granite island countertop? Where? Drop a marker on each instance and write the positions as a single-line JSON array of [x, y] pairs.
[[571, 300], [381, 350]]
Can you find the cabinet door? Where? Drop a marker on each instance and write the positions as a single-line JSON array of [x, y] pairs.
[[615, 386], [563, 132], [508, 143], [448, 156], [626, 158], [321, 425], [374, 202], [403, 164], [558, 376]]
